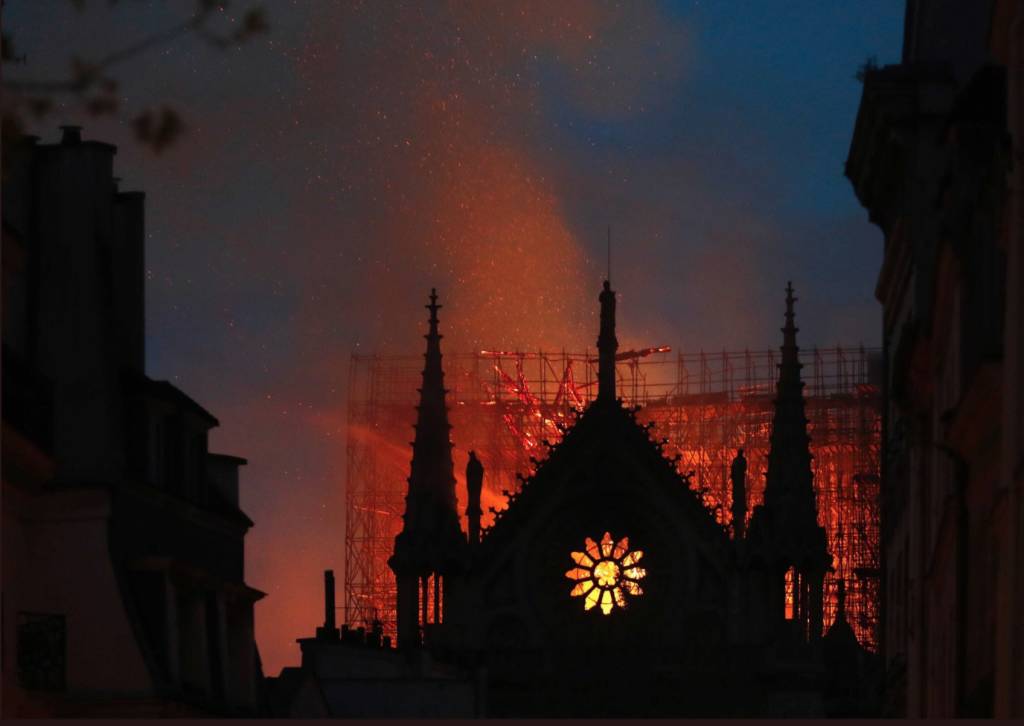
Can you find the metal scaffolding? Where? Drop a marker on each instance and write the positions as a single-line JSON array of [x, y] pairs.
[[504, 405]]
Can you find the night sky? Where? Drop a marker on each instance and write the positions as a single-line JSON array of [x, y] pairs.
[[336, 168]]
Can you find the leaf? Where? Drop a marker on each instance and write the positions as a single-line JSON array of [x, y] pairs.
[[143, 126], [255, 21], [158, 131], [83, 73]]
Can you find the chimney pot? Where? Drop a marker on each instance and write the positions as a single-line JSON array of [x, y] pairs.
[[329, 622], [71, 136]]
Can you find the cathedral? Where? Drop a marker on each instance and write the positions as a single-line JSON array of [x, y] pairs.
[[608, 588]]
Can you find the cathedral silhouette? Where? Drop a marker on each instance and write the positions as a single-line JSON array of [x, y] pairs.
[[608, 588]]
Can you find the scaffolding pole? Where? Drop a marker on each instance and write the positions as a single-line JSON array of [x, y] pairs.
[[506, 404]]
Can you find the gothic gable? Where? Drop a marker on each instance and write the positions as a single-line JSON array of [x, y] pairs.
[[606, 476]]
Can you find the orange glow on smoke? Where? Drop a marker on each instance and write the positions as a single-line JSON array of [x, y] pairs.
[[451, 194], [431, 167], [519, 272]]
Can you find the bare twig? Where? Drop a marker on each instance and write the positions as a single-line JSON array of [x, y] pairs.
[[158, 129]]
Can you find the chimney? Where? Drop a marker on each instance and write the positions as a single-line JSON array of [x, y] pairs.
[[72, 135], [329, 631]]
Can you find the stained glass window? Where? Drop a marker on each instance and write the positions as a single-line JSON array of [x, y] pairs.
[[606, 573]]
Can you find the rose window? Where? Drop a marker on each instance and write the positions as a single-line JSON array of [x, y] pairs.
[[606, 573]]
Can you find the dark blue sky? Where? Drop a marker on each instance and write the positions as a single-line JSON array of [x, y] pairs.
[[337, 168]]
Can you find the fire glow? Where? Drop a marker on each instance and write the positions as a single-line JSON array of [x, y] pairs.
[[510, 407]]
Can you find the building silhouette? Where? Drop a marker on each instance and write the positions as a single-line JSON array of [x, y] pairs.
[[936, 160], [123, 540], [607, 587], [505, 404]]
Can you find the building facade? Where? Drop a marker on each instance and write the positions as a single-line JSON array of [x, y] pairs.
[[608, 588], [123, 540], [935, 159]]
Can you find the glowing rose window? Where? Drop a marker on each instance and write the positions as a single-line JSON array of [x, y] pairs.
[[606, 573]]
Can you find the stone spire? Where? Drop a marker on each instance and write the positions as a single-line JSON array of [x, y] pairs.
[[607, 346], [790, 483], [785, 528], [431, 478], [431, 544]]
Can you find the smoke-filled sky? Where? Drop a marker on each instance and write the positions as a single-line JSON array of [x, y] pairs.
[[336, 169]]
